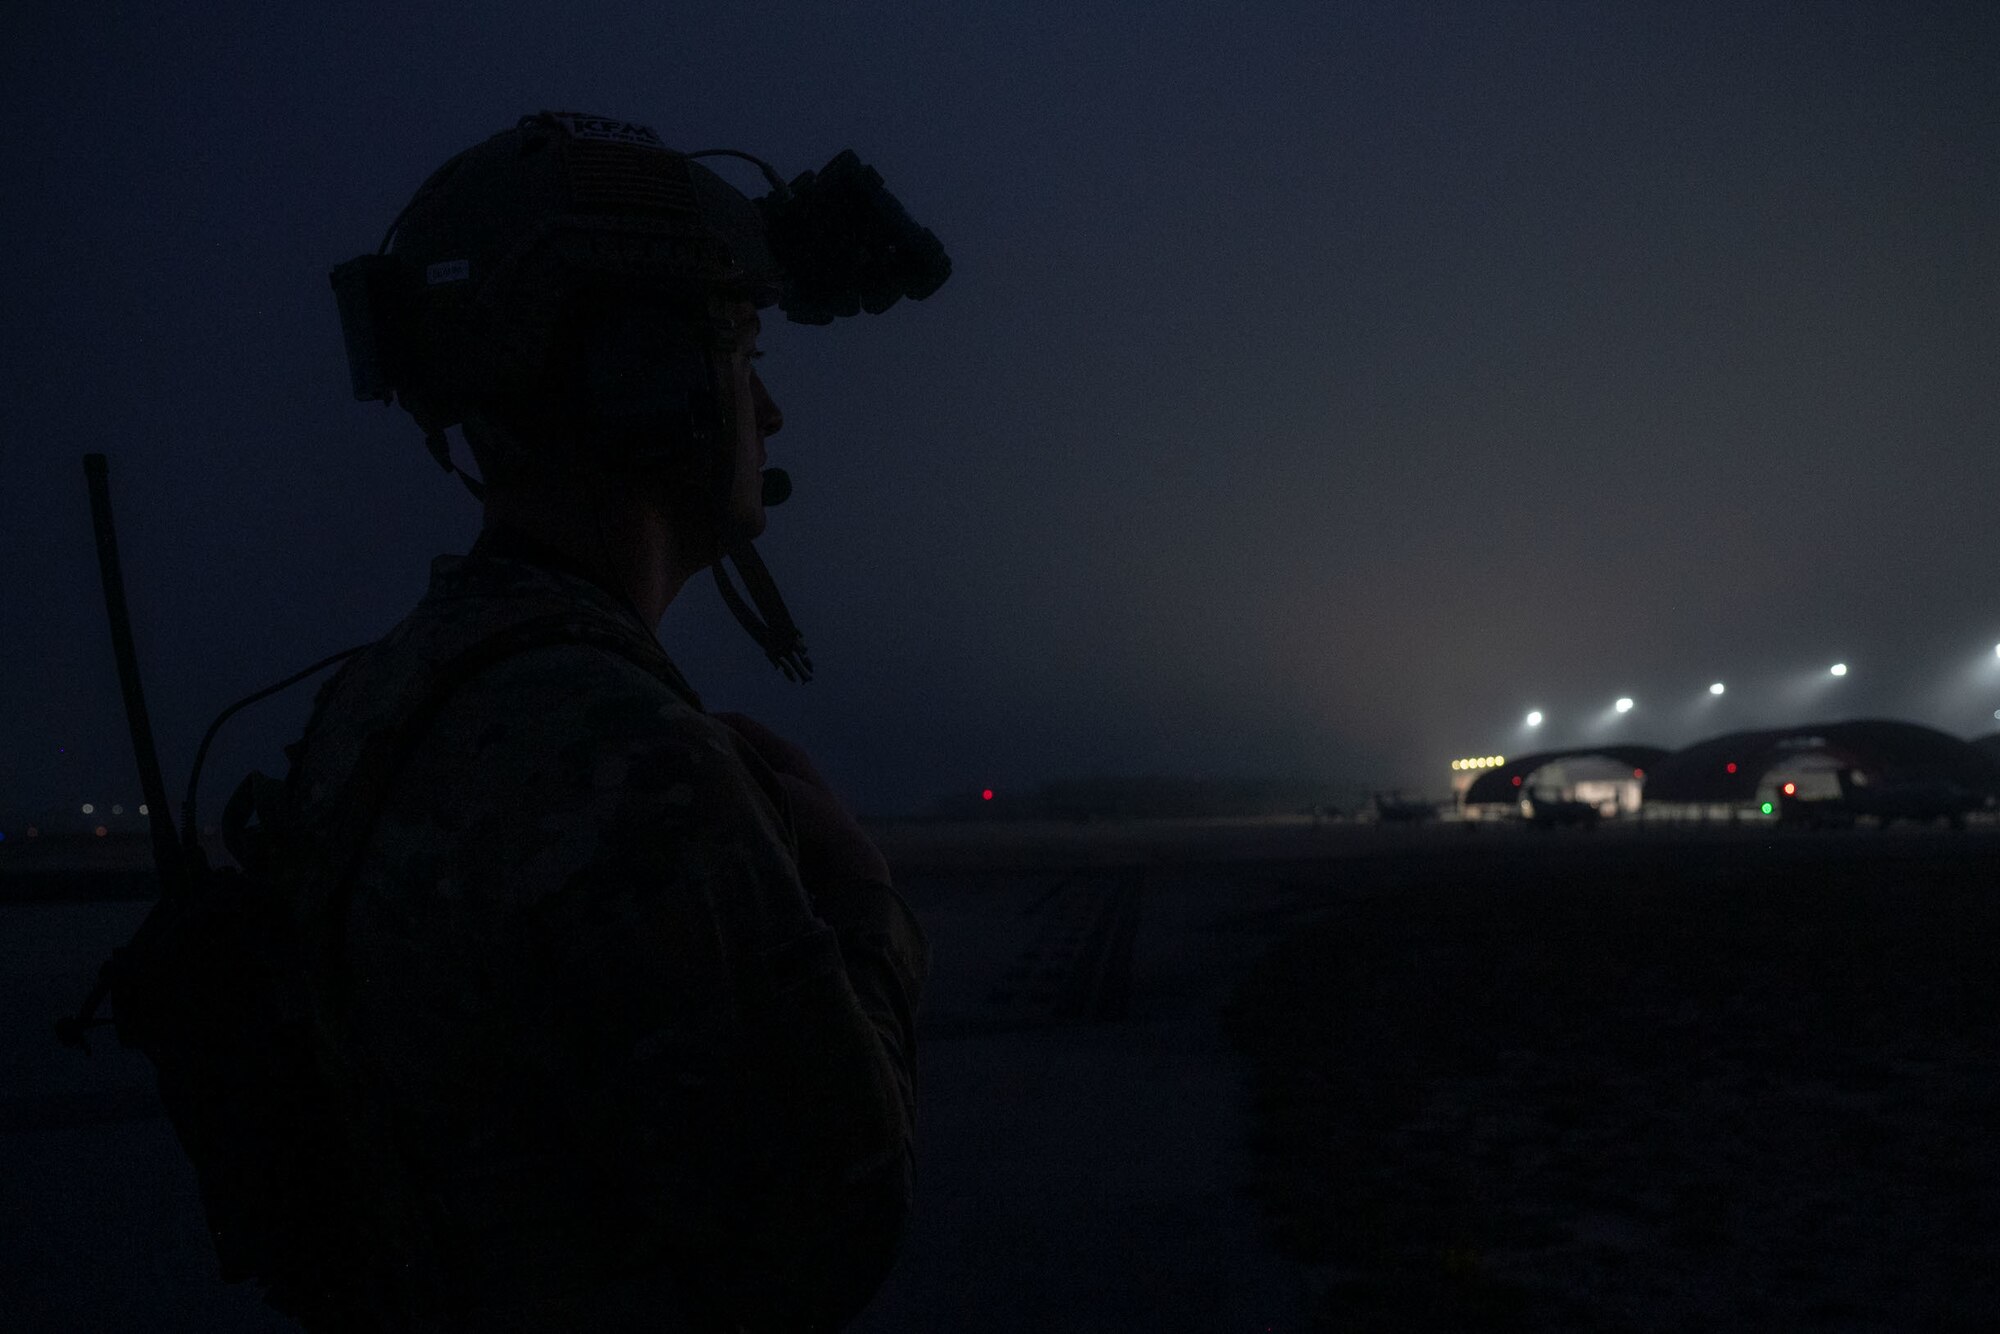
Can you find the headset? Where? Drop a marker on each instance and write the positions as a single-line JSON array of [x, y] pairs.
[[578, 252]]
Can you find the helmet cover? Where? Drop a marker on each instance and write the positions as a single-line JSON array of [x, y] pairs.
[[514, 243]]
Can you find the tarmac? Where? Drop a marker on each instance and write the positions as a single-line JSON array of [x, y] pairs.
[[1083, 1123]]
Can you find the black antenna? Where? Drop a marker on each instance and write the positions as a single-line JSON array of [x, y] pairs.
[[167, 852]]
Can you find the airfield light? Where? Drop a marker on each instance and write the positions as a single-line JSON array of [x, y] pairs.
[[102, 831], [1732, 766], [3, 836], [1639, 774], [117, 810], [1791, 789], [1517, 780], [89, 809], [143, 810], [1767, 808], [1840, 669], [1535, 718], [1624, 705], [986, 794], [1715, 689]]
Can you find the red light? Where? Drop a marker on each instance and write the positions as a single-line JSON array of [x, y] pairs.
[[1791, 789], [102, 831], [986, 794], [1638, 773], [1732, 766], [1517, 780]]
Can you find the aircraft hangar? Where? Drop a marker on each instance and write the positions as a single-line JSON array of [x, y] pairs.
[[1604, 776], [1823, 760]]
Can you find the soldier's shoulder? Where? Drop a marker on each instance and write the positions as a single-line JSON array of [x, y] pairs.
[[567, 754], [587, 694], [559, 700]]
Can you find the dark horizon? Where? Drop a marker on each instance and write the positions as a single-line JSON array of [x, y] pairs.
[[1314, 394]]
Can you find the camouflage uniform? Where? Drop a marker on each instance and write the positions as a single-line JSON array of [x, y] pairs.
[[640, 1075]]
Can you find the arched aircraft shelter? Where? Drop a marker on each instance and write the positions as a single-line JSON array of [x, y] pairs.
[[1503, 784], [1732, 769]]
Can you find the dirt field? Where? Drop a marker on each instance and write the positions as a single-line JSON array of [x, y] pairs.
[[1638, 1081]]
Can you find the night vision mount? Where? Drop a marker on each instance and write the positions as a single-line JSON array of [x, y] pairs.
[[502, 233]]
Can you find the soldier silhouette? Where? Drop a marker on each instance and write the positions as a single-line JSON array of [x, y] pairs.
[[623, 997]]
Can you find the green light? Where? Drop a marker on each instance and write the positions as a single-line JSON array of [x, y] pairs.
[[1767, 808]]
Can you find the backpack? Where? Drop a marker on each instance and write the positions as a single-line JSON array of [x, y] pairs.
[[220, 991]]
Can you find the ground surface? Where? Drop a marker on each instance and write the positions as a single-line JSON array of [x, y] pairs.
[[1083, 1123], [1620, 1080], [1640, 1083]]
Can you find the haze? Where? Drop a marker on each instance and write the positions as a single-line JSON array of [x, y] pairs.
[[1318, 388]]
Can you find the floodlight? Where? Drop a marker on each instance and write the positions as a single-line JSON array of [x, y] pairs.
[[1840, 669], [1535, 718], [1715, 689], [1624, 705]]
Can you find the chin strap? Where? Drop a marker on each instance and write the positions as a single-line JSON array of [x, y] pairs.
[[440, 449], [774, 631], [775, 634]]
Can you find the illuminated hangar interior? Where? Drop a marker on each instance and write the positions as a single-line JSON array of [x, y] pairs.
[[1610, 778]]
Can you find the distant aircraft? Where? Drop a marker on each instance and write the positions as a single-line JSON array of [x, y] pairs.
[[1550, 810], [1392, 809]]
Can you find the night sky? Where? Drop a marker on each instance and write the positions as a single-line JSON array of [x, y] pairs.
[[1318, 388]]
